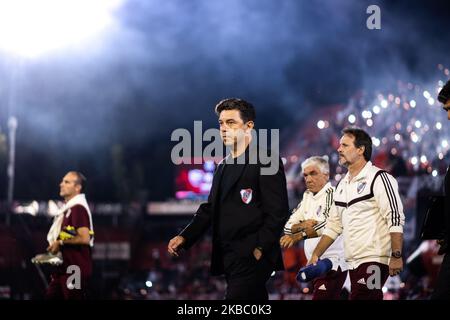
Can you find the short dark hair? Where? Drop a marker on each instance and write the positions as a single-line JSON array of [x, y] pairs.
[[362, 139], [246, 109], [80, 179], [444, 94]]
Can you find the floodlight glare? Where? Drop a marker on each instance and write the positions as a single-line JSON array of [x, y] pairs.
[[32, 27]]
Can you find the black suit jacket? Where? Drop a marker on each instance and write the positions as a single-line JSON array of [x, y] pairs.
[[243, 226], [446, 245]]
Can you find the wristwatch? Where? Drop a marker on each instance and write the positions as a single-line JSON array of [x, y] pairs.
[[304, 235], [397, 254]]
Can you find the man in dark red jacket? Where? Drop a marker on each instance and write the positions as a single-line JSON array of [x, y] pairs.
[[74, 241]]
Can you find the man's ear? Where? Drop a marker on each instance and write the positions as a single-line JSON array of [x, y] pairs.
[[363, 148], [250, 124]]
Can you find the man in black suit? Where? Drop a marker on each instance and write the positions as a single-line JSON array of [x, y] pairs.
[[247, 209], [442, 290]]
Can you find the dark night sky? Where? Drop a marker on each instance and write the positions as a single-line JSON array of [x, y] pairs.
[[108, 108]]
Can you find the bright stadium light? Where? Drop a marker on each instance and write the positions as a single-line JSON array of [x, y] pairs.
[[376, 109], [30, 28], [320, 124], [375, 141], [423, 159], [366, 114]]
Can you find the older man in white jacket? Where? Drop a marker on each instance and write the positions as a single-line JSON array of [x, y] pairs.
[[308, 221]]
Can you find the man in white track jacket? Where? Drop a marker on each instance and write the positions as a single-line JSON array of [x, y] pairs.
[[370, 217], [307, 223]]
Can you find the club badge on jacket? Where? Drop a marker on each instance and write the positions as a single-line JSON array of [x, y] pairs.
[[246, 195], [360, 187]]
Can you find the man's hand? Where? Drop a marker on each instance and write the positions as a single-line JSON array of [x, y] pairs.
[[310, 223], [395, 266], [313, 260], [257, 253], [54, 247], [286, 241], [174, 245]]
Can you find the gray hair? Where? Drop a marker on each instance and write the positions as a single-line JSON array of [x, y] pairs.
[[320, 162]]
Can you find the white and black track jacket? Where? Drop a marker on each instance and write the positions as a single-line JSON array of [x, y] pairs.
[[369, 208], [318, 207]]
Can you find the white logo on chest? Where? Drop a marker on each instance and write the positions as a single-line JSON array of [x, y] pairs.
[[318, 210], [360, 187], [246, 195]]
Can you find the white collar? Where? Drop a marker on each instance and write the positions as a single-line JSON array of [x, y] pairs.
[[362, 174], [319, 194], [79, 199]]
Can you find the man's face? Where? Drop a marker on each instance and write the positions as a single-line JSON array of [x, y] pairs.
[[314, 178], [348, 153], [68, 188], [232, 127]]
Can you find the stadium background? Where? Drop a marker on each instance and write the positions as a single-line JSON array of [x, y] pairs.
[[107, 103]]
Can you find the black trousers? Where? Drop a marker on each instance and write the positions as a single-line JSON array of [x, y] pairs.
[[246, 277], [442, 290]]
